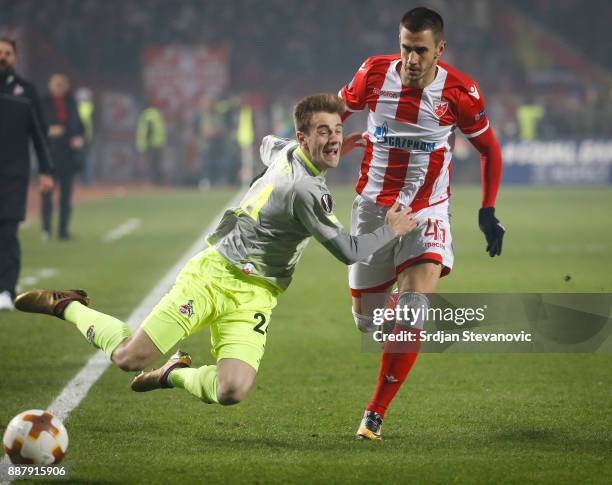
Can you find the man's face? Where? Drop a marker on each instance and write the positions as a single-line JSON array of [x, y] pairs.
[[7, 58], [419, 52], [323, 141], [58, 85]]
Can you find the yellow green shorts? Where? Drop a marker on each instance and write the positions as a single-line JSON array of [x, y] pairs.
[[211, 292]]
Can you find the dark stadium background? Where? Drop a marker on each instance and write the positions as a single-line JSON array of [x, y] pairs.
[[545, 53]]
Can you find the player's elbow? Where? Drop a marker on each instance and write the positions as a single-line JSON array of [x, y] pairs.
[[339, 252]]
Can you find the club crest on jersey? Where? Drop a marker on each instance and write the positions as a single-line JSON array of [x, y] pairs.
[[440, 107], [327, 203], [187, 309], [18, 90]]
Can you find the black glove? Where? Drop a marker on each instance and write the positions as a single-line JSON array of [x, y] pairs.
[[492, 229]]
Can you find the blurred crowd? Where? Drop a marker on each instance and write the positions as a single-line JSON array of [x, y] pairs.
[[540, 63]]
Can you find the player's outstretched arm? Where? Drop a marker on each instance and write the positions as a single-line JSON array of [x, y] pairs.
[[349, 249], [491, 170]]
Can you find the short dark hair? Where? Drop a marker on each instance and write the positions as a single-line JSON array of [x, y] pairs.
[[306, 107], [422, 18], [12, 42]]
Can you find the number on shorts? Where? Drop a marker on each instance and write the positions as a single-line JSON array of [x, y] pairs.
[[434, 229], [262, 321]]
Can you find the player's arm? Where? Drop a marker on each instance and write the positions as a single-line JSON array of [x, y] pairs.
[[354, 96], [474, 123], [354, 93], [349, 249], [271, 146]]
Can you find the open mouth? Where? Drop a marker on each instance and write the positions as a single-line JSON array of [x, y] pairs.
[[331, 151]]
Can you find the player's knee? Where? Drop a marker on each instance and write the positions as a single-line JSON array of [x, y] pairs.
[[128, 363], [413, 309], [128, 359], [364, 323], [366, 308], [232, 392]]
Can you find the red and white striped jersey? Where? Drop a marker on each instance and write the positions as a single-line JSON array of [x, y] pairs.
[[408, 155]]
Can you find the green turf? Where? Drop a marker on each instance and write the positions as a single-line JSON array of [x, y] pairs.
[[460, 417]]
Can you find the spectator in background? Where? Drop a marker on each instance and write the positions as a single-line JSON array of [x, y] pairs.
[[213, 129], [20, 121], [151, 140], [86, 110], [66, 142], [528, 116]]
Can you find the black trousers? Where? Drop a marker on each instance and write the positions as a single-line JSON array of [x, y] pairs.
[[154, 161], [10, 256], [65, 180]]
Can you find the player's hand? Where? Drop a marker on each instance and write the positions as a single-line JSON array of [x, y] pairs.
[[352, 141], [492, 229], [400, 220], [45, 183]]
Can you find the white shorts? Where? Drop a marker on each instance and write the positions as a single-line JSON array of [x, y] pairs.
[[431, 240]]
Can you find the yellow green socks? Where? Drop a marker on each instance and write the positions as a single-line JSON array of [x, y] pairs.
[[100, 330], [202, 382]]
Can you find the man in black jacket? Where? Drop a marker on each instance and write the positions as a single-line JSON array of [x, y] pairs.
[[66, 143], [20, 121]]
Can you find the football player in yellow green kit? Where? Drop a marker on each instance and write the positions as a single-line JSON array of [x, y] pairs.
[[232, 286]]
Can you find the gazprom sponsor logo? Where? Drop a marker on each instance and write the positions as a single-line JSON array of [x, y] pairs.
[[381, 133]]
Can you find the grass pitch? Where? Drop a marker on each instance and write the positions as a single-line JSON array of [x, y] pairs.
[[458, 418]]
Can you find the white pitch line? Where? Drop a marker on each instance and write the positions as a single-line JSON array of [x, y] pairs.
[[123, 230], [39, 274], [78, 387]]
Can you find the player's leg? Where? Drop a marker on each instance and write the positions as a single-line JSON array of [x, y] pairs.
[[10, 262], [365, 303], [238, 342], [66, 181], [170, 321], [234, 380], [422, 258], [226, 383], [397, 359], [370, 280], [102, 331], [135, 352], [238, 337], [46, 212], [105, 332]]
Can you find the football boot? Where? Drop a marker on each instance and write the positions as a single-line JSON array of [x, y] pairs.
[[370, 426], [49, 302], [158, 378]]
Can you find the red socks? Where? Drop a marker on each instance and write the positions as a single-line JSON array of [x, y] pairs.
[[397, 360]]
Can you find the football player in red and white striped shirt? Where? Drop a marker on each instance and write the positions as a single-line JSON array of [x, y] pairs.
[[414, 104]]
